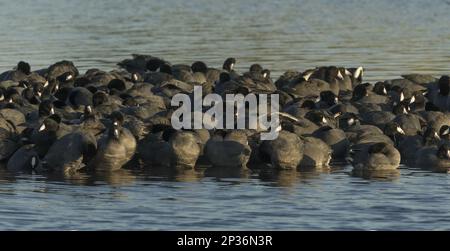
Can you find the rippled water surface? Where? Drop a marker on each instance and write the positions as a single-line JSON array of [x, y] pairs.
[[388, 38]]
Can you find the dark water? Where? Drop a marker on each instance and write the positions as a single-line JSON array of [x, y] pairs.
[[388, 38]]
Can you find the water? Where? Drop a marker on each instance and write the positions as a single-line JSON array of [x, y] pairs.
[[198, 200], [388, 38]]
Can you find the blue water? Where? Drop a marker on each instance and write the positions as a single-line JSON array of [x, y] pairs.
[[388, 38]]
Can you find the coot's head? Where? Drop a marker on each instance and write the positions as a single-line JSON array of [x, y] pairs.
[[360, 92], [199, 66], [394, 131], [46, 108], [117, 118], [229, 63], [430, 136], [257, 68], [117, 84], [444, 152], [401, 108], [380, 88], [444, 132], [329, 98], [265, 73], [154, 64], [24, 67]]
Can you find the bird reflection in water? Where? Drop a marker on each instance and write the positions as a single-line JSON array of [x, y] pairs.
[[179, 174], [383, 175], [290, 178], [114, 178], [5, 176], [119, 177], [227, 173]]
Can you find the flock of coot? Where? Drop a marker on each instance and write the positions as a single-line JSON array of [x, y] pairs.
[[60, 120]]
